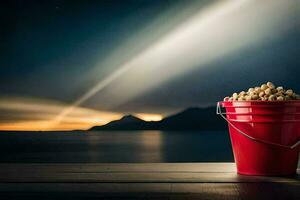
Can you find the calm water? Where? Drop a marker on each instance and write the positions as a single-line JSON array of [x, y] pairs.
[[121, 146]]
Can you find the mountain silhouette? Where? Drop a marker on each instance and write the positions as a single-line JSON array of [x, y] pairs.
[[128, 122], [188, 119], [127, 119]]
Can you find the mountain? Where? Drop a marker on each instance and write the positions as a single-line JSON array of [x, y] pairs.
[[127, 119], [189, 119], [128, 122], [194, 119]]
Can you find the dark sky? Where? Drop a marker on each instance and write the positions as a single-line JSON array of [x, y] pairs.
[[49, 42], [60, 49]]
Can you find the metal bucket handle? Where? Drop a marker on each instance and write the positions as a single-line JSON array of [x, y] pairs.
[[219, 112]]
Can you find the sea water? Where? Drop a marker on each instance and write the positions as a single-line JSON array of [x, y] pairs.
[[115, 146]]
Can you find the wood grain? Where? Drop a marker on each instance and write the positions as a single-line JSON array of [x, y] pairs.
[[140, 181]]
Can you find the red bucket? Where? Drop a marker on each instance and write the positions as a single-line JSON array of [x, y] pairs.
[[264, 135]]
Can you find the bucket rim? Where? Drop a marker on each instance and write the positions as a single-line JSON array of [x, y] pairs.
[[259, 103]]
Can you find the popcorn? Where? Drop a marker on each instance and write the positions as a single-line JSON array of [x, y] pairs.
[[266, 92], [280, 98]]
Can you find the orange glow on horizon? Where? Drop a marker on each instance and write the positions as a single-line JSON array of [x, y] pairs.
[[68, 123], [41, 126], [149, 117], [27, 114]]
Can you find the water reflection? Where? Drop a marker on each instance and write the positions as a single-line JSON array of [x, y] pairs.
[[151, 145], [127, 146], [115, 146], [196, 146]]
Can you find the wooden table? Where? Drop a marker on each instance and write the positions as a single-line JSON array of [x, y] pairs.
[[140, 181]]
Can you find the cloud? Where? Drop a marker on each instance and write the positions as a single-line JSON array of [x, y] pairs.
[[21, 113], [24, 113]]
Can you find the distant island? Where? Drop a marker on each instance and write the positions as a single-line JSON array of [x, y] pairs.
[[189, 119]]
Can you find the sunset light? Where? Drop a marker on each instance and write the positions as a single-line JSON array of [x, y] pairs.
[[149, 117], [37, 114]]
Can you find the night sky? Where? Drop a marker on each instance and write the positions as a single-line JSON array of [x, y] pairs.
[[177, 54]]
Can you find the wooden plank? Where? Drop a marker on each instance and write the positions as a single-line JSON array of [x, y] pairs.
[[129, 173], [120, 167], [133, 187], [161, 190], [140, 177], [140, 181], [83, 187]]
